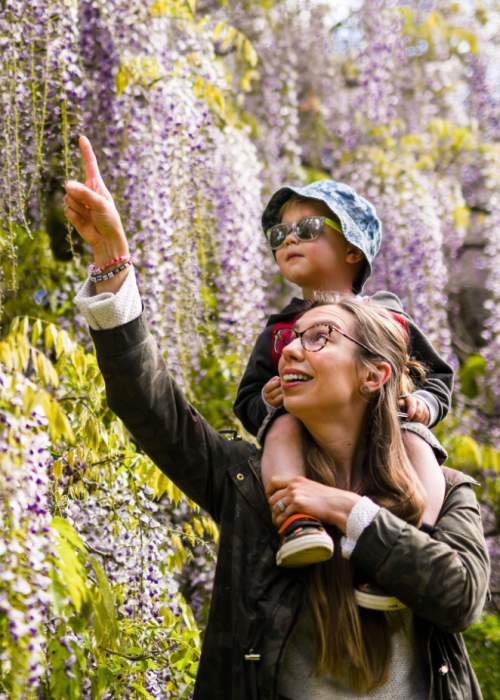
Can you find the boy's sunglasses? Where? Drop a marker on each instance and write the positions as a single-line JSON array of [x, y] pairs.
[[307, 229]]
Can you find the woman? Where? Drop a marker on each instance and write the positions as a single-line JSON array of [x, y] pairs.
[[341, 375]]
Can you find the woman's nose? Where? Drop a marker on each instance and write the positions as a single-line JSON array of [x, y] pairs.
[[293, 350]]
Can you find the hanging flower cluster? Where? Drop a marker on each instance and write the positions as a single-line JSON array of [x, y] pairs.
[[133, 539], [26, 544], [181, 176], [483, 96], [379, 65], [412, 231], [41, 97], [274, 101]]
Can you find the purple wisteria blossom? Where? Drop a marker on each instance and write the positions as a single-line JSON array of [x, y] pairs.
[[26, 544]]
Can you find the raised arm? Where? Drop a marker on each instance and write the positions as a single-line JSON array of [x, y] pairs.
[[141, 391], [139, 387]]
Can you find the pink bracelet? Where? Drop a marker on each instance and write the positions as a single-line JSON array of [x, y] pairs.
[[97, 269]]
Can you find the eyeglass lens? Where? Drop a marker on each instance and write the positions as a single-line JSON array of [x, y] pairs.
[[312, 339]]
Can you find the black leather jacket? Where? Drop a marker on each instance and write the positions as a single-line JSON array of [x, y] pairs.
[[443, 578]]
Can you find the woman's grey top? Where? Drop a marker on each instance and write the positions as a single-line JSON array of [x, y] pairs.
[[406, 674]]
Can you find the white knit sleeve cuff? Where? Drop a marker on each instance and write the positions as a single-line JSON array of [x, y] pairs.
[[359, 518], [107, 310]]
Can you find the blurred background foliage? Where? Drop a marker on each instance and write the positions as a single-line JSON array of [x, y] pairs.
[[198, 111]]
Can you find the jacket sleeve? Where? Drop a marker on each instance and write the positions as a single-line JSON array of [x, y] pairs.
[[142, 393], [438, 382], [443, 578], [439, 378], [249, 406]]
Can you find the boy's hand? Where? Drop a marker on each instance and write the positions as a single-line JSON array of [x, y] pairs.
[[273, 393], [416, 409]]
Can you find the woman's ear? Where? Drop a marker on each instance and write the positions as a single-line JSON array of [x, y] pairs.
[[375, 379]]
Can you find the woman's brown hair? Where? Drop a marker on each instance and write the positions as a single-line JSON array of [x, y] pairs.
[[354, 644]]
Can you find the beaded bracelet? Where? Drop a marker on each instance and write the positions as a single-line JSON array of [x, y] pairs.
[[97, 269], [103, 276]]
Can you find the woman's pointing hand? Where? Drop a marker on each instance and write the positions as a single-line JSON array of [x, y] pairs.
[[91, 210]]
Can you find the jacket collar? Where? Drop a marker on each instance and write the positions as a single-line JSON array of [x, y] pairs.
[[294, 307]]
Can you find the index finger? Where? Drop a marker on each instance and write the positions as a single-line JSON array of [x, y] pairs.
[[89, 159]]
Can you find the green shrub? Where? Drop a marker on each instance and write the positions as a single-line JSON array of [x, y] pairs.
[[483, 643]]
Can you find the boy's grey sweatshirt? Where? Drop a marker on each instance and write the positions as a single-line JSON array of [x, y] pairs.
[[435, 390]]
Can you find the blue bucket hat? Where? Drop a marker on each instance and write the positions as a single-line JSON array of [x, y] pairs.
[[358, 218]]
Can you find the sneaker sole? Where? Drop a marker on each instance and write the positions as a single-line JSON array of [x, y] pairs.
[[384, 603], [303, 551]]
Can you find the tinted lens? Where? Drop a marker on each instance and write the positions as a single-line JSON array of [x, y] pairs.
[[315, 338], [309, 228], [276, 235], [282, 338]]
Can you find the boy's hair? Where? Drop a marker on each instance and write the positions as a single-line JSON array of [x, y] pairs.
[[358, 268], [358, 218]]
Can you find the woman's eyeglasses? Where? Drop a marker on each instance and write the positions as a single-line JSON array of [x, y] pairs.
[[313, 338], [307, 229]]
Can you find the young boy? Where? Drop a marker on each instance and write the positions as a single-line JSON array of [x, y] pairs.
[[324, 236]]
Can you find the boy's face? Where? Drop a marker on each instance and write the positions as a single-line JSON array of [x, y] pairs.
[[328, 262]]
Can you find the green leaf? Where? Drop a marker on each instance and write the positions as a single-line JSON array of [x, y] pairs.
[[68, 532], [73, 573], [50, 336], [36, 331], [473, 368], [142, 691], [219, 28], [122, 79], [466, 453], [106, 610], [249, 53]]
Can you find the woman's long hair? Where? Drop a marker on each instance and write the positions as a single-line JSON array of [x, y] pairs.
[[354, 644]]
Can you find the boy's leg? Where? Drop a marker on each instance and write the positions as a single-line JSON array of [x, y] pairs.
[[430, 475], [282, 453], [303, 538]]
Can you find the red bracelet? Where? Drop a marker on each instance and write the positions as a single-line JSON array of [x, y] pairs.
[[97, 269]]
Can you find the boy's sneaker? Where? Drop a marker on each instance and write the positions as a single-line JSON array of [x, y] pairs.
[[373, 598], [304, 541]]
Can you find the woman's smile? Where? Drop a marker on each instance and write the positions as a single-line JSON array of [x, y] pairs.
[[291, 377]]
